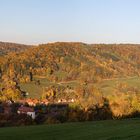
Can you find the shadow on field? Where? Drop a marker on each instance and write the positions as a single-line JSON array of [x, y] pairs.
[[61, 113]]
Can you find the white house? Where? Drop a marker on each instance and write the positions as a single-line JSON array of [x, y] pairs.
[[27, 110]]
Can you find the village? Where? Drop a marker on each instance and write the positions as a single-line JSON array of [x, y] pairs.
[[33, 107]]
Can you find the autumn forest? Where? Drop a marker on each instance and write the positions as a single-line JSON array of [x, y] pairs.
[[99, 81]]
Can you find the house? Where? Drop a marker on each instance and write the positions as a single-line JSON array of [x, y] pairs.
[[44, 101], [62, 101], [32, 102], [26, 110], [65, 101], [24, 94], [71, 100]]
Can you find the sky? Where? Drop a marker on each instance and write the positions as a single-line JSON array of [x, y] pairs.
[[89, 21]]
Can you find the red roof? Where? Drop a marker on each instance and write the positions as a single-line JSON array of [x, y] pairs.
[[26, 109]]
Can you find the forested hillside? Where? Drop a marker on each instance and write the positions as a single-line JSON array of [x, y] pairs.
[[73, 72], [71, 61]]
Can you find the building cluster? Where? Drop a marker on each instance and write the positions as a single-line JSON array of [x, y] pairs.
[[33, 107]]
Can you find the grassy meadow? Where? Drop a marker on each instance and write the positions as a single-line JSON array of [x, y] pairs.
[[106, 86], [98, 130]]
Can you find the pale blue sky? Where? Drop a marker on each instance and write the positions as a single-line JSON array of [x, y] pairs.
[[90, 21]]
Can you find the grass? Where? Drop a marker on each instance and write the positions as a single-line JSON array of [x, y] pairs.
[[99, 130], [106, 86], [35, 91]]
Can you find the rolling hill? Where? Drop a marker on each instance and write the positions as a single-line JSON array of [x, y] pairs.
[[91, 74], [71, 61]]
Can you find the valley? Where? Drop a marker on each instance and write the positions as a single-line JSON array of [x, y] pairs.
[[68, 82]]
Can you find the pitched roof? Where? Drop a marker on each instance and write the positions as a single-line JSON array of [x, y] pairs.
[[26, 109]]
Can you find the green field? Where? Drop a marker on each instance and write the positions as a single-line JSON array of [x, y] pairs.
[[106, 86], [99, 130]]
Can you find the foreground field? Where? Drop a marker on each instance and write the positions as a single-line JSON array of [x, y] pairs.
[[101, 130]]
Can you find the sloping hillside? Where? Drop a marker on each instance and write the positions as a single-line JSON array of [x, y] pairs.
[[75, 71], [72, 61]]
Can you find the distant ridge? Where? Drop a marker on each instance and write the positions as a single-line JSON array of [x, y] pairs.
[[74, 60], [6, 47]]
